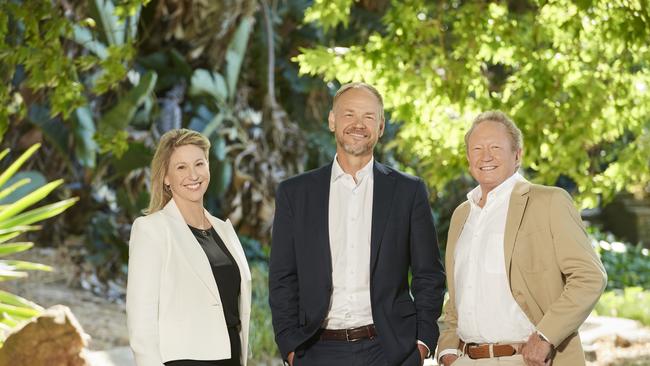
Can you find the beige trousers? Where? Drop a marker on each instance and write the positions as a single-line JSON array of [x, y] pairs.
[[516, 360]]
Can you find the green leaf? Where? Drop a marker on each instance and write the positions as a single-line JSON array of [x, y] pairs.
[[15, 300], [84, 37], [12, 193], [84, 130], [13, 168], [28, 200], [209, 83], [56, 132], [14, 184], [27, 266], [19, 311], [11, 248], [137, 156], [8, 234], [114, 122], [103, 12], [9, 274], [222, 173], [235, 54], [38, 214], [214, 124]]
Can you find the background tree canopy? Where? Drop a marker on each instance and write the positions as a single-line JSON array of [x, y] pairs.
[[574, 75], [98, 81]]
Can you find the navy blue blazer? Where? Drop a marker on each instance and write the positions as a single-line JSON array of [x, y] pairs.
[[403, 237]]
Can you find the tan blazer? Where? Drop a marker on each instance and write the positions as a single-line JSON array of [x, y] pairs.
[[173, 305], [555, 275]]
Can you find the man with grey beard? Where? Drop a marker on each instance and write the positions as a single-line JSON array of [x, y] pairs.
[[345, 237]]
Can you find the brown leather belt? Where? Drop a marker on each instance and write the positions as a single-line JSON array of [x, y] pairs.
[[476, 350], [349, 335]]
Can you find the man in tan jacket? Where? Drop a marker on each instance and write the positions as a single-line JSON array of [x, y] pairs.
[[521, 273]]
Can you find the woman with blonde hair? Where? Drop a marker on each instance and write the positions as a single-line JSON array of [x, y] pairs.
[[189, 286]]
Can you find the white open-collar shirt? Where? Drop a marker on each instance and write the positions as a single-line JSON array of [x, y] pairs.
[[350, 223], [487, 311]]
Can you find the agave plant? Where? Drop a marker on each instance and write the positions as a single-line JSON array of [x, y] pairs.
[[14, 221]]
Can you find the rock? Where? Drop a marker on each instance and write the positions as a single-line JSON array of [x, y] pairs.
[[622, 342], [54, 338]]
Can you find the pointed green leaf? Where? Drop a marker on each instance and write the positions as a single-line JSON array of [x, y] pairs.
[[84, 37], [9, 274], [38, 214], [36, 181], [84, 130], [17, 311], [4, 153], [13, 168], [12, 248], [36, 196], [236, 52], [15, 300], [10, 233], [27, 266], [15, 185], [209, 83]]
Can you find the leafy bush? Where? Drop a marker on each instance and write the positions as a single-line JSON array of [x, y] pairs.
[[627, 265], [631, 303], [14, 222], [262, 339]]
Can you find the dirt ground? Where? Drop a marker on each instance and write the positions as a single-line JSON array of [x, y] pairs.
[[103, 320]]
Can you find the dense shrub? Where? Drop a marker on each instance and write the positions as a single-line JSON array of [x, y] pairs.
[[627, 265], [631, 303]]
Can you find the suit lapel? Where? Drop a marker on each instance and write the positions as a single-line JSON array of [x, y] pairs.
[[455, 228], [190, 248], [320, 223], [518, 200], [382, 200]]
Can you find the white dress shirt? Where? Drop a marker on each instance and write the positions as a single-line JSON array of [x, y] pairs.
[[487, 311], [350, 223]]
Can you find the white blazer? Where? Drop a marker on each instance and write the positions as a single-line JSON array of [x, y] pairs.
[[173, 305]]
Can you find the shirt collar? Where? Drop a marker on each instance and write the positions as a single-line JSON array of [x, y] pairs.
[[502, 190], [337, 171]]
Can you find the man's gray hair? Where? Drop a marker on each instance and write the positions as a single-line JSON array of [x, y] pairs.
[[361, 85], [516, 137]]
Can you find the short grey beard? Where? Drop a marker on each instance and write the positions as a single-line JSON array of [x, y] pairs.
[[358, 151]]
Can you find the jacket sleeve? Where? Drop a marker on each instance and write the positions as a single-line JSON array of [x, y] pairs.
[[283, 277], [449, 334], [449, 339], [585, 275], [428, 283], [143, 293]]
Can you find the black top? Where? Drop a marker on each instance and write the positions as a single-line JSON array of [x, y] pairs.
[[225, 272]]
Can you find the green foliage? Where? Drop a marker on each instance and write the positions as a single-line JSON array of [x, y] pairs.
[[33, 55], [262, 340], [631, 303], [627, 265], [329, 13], [14, 221], [111, 134], [574, 76]]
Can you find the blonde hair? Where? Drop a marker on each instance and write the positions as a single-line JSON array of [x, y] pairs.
[[160, 163], [361, 85], [516, 137]]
